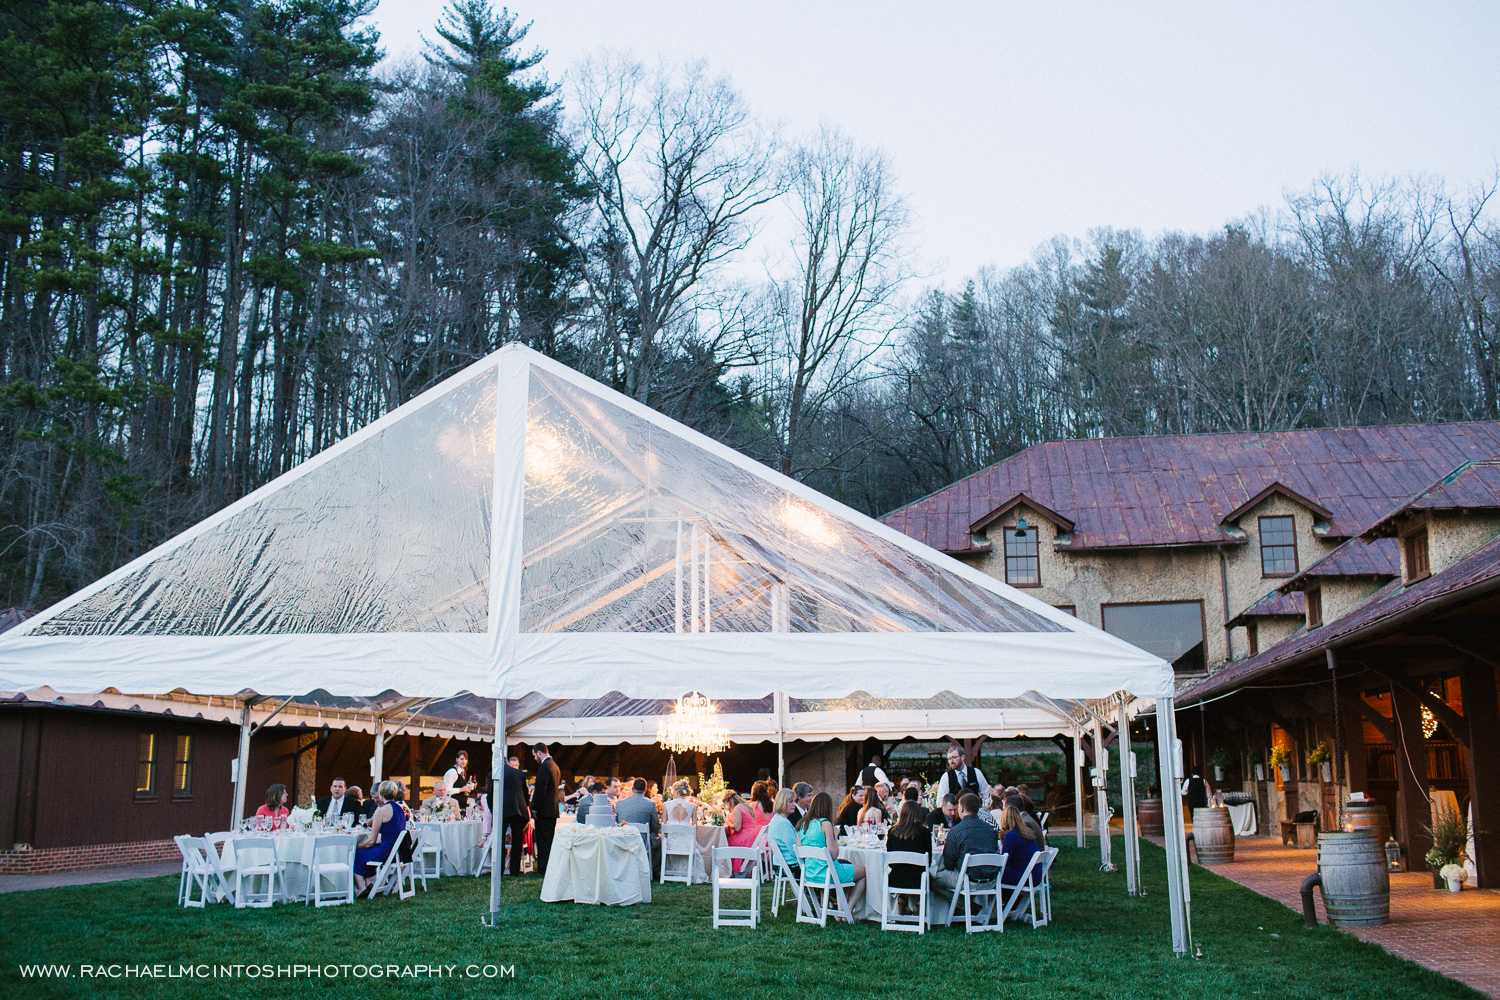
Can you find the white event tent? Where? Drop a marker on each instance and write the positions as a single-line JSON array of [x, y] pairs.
[[522, 529]]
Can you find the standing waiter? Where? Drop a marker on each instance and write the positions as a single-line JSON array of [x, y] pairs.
[[545, 795]]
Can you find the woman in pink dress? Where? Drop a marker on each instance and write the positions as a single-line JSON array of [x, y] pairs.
[[739, 822], [762, 802]]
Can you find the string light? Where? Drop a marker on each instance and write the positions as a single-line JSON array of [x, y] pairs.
[[693, 727], [1429, 723]]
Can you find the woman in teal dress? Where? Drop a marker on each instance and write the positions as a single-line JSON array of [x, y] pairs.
[[817, 831]]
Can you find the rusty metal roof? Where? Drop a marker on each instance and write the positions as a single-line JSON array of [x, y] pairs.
[[1471, 486], [1380, 557], [1480, 567], [1175, 490]]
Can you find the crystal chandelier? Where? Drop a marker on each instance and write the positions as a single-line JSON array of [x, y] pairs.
[[693, 727], [1429, 723]]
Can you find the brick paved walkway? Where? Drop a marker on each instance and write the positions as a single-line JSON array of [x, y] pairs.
[[1456, 934]]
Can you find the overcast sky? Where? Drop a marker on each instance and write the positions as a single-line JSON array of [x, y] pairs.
[[1010, 123]]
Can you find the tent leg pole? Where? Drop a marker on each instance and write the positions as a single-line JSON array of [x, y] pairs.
[[497, 812], [780, 740], [1127, 800], [1177, 888], [377, 762], [1079, 772], [1101, 799], [241, 767]]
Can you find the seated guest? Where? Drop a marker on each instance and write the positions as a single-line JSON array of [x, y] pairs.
[[802, 794], [1028, 805], [1018, 843], [883, 790], [848, 814], [681, 808], [873, 810], [913, 794], [275, 807], [637, 808], [945, 816], [762, 802], [385, 826], [336, 803], [997, 803], [439, 803], [586, 787], [1032, 827], [357, 803], [398, 798], [971, 835], [596, 798], [816, 830], [908, 835], [739, 822], [612, 788], [783, 832]]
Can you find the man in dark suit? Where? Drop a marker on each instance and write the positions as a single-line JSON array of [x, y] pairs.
[[334, 805], [515, 814], [545, 795]]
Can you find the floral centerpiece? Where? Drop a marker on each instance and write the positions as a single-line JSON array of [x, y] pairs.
[[301, 817], [1450, 841]]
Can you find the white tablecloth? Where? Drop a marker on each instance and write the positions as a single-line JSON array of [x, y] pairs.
[[460, 845], [873, 858], [1244, 819], [592, 864], [293, 850], [709, 837]]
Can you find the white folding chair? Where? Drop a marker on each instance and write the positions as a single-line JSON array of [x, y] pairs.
[[970, 889], [678, 840], [810, 908], [1032, 885], [213, 845], [388, 872], [255, 858], [763, 845], [197, 870], [1042, 819], [748, 878], [333, 862], [427, 855], [486, 854], [644, 829], [786, 881], [891, 919]]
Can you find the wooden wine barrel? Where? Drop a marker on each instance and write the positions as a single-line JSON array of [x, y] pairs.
[[1356, 885], [1366, 815], [1148, 815], [1213, 835]]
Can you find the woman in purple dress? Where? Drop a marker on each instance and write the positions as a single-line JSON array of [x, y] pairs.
[[385, 826]]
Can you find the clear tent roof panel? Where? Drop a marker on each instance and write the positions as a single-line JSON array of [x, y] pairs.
[[631, 528], [391, 535]]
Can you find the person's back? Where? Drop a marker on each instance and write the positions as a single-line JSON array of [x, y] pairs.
[[1018, 849], [971, 835]]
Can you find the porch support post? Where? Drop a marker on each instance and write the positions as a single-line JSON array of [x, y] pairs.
[[1483, 717]]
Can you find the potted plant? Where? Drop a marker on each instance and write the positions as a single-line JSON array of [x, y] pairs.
[[1455, 875], [1219, 760], [1281, 759], [1450, 841], [1253, 759], [1320, 756]]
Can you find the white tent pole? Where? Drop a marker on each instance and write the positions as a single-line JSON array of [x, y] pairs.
[[497, 811], [708, 541], [780, 739], [377, 762], [1101, 797], [1079, 773], [242, 764], [693, 582], [1166, 752], [1127, 800]]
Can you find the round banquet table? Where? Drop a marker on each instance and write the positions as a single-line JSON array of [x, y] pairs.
[[869, 908], [460, 845], [293, 850], [709, 837], [598, 864]]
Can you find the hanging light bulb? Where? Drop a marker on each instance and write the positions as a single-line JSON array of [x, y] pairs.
[[693, 727]]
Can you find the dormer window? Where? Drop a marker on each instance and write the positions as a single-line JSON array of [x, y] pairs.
[[1314, 608], [1418, 566], [1023, 566], [1278, 546]]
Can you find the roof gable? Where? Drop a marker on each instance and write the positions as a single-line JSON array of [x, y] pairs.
[[1471, 486], [1177, 490]]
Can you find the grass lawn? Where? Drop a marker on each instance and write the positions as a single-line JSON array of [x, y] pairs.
[[1102, 943]]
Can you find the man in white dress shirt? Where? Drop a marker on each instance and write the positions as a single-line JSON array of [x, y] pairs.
[[334, 806], [962, 777]]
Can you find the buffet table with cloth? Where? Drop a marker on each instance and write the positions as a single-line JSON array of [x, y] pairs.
[[598, 864], [1243, 817]]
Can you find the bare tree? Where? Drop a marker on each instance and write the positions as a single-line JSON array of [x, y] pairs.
[[834, 311], [680, 170]]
